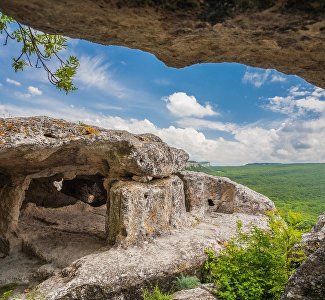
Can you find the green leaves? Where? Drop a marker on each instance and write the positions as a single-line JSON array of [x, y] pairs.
[[38, 49], [256, 265], [65, 74], [18, 65], [156, 294], [186, 283], [4, 21]]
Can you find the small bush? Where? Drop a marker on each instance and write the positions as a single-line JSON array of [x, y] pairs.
[[186, 283], [256, 265], [6, 295], [156, 294], [30, 295]]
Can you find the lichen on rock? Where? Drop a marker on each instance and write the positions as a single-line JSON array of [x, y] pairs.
[[108, 211]]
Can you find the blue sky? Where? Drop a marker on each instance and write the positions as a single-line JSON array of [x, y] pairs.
[[229, 114]]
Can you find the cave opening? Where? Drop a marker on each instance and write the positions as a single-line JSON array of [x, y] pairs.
[[54, 191], [211, 202], [62, 220]]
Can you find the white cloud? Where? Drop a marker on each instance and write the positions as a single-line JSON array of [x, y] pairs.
[[277, 78], [182, 105], [298, 102], [259, 78], [31, 92], [22, 95], [34, 91], [205, 124], [14, 82], [291, 140], [296, 91], [94, 73], [256, 78]]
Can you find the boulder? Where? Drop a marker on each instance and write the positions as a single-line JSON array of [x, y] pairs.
[[205, 193], [312, 240], [138, 211], [50, 146], [199, 293], [287, 35], [308, 282]]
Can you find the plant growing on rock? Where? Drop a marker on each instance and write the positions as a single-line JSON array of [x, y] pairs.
[[37, 50], [256, 265], [186, 282], [6, 295], [156, 294]]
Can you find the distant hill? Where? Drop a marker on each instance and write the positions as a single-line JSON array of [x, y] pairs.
[[262, 164]]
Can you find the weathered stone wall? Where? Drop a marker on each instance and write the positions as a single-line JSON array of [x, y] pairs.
[[205, 192], [136, 175], [159, 218], [286, 35], [139, 211], [42, 147]]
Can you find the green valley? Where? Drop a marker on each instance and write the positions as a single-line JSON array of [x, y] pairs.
[[296, 187]]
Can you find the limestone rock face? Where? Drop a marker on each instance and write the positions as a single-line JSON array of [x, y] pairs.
[[308, 282], [205, 192], [138, 211], [105, 213], [42, 147], [312, 240], [31, 145], [286, 35]]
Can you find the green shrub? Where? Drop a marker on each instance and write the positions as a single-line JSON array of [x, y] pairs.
[[31, 295], [186, 282], [156, 294], [6, 295], [256, 265]]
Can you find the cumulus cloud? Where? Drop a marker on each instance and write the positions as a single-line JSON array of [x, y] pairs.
[[31, 92], [182, 105], [14, 82], [298, 102], [34, 91], [94, 72], [259, 78]]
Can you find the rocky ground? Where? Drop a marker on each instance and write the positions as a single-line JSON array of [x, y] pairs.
[[121, 273], [204, 292], [116, 273]]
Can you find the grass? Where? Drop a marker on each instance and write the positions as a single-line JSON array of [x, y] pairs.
[[186, 283], [296, 187], [7, 292], [156, 294]]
